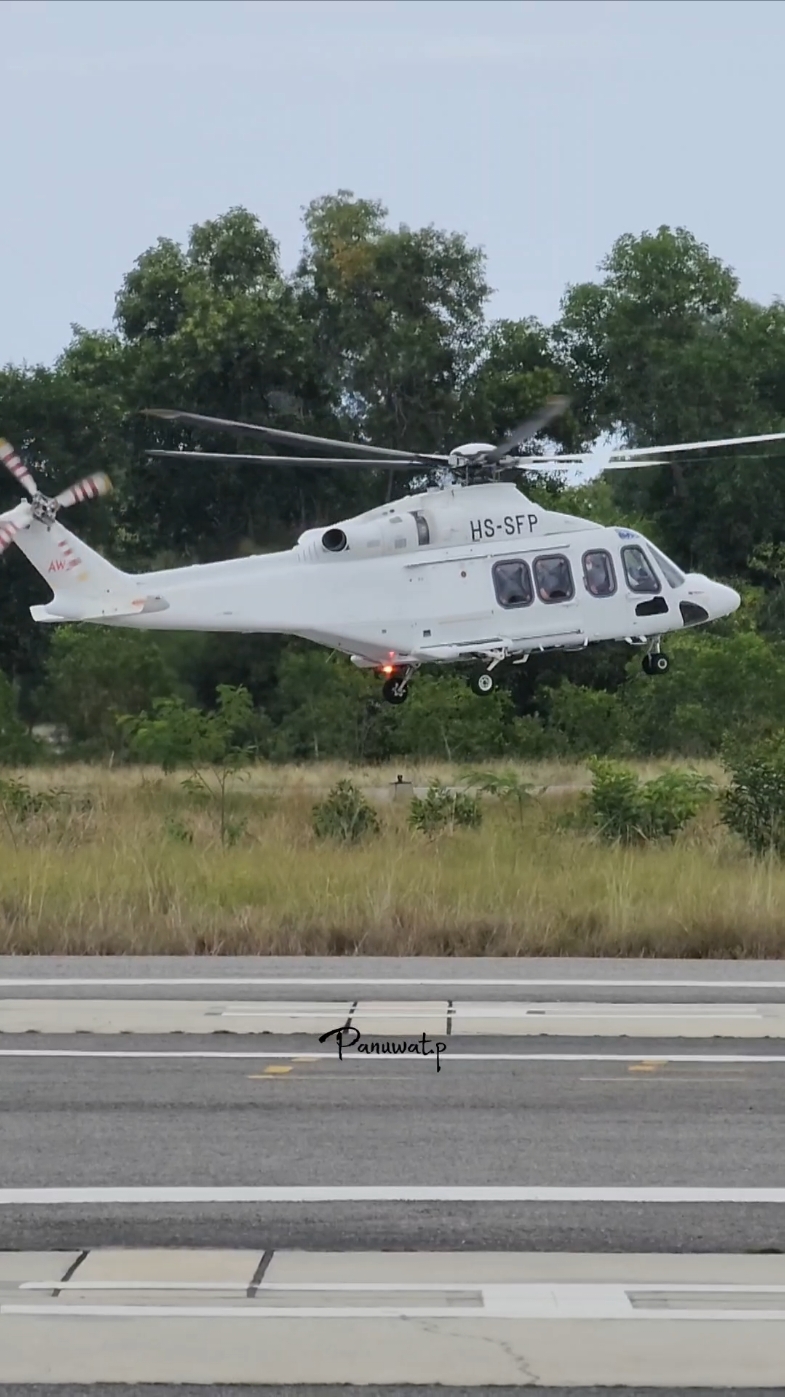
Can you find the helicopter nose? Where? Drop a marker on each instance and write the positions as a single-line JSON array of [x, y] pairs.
[[708, 600], [727, 601]]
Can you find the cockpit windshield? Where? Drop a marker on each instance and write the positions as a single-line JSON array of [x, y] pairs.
[[671, 573]]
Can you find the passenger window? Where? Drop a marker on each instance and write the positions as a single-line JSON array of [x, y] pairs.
[[553, 579], [513, 584], [639, 571], [598, 574]]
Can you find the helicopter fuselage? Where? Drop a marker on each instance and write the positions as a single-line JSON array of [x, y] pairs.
[[437, 577]]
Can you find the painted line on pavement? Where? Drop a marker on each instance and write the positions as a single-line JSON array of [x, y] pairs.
[[272, 982], [349, 1052], [517, 1300], [389, 1193]]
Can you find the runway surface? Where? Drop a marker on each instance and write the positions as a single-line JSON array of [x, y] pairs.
[[585, 1186]]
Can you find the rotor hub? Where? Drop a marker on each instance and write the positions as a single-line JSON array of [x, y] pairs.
[[43, 508]]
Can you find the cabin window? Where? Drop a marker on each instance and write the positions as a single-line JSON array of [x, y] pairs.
[[639, 572], [423, 532], [553, 578], [673, 575], [598, 574], [513, 584]]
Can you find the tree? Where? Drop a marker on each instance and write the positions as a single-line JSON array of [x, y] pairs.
[[664, 349], [96, 674], [397, 315]]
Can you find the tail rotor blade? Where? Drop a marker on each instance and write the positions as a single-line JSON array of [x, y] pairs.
[[8, 532], [88, 489], [12, 463]]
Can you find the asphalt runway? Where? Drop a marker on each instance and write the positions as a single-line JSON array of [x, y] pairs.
[[580, 1198]]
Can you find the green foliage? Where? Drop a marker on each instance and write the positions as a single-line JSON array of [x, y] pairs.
[[381, 333], [329, 710], [506, 786], [344, 815], [753, 805], [223, 741], [95, 674], [443, 718], [443, 809], [17, 747], [624, 808], [717, 685], [591, 721]]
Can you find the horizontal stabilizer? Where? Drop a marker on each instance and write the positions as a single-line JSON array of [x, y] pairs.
[[91, 609]]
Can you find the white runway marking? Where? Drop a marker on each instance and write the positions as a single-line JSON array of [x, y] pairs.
[[387, 1193], [252, 1055], [319, 981]]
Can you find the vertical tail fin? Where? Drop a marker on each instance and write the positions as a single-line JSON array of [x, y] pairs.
[[82, 582]]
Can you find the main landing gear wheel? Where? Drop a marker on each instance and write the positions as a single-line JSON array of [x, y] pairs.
[[655, 664], [395, 691], [483, 683]]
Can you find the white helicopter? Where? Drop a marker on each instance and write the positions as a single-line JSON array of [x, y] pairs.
[[467, 572]]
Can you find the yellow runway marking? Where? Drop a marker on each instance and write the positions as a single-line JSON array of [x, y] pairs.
[[269, 1072]]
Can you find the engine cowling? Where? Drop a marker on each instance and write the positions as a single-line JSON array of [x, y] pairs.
[[394, 533]]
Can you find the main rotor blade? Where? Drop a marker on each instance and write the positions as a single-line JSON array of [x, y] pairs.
[[195, 419], [87, 489], [555, 407], [334, 462], [696, 445], [10, 459]]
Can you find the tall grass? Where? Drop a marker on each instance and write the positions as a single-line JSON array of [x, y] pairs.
[[115, 876]]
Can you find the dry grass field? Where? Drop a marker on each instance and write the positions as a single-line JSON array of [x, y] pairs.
[[130, 863]]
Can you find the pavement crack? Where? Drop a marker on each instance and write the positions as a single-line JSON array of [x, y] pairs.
[[437, 1327]]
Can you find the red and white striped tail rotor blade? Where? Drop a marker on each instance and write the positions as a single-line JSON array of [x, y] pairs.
[[12, 463], [8, 532], [88, 489]]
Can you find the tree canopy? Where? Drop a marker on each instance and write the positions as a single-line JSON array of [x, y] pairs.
[[382, 334]]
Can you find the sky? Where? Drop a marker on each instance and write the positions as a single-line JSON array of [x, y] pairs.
[[542, 130]]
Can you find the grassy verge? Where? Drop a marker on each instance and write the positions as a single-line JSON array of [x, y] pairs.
[[137, 867]]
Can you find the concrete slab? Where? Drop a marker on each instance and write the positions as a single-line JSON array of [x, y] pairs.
[[18, 1266], [409, 1019], [573, 1020], [650, 1320]]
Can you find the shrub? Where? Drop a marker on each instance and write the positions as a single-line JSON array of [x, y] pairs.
[[753, 806], [623, 808], [440, 809], [344, 815]]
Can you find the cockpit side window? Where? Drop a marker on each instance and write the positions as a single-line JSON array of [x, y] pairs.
[[598, 573], [553, 578], [512, 583], [673, 575], [639, 572]]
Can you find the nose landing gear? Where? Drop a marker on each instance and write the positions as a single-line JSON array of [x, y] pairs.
[[655, 662]]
